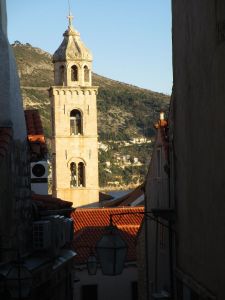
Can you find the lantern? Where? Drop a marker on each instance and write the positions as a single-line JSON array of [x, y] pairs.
[[111, 250]]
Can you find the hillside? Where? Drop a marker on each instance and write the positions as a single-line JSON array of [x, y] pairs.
[[124, 111]]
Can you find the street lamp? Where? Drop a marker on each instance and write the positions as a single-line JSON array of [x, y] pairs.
[[111, 250]]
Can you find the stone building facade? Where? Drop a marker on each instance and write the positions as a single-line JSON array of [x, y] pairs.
[[90, 225], [15, 204], [153, 247], [35, 257], [74, 122], [198, 125]]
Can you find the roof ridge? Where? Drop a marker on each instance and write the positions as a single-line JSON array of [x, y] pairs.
[[110, 208]]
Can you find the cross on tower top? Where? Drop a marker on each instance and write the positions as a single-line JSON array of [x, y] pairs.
[[70, 18]]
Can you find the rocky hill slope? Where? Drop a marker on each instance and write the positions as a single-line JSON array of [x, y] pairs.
[[124, 111]]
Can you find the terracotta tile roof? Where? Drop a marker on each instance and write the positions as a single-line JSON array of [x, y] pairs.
[[48, 202], [99, 217], [35, 135], [33, 122], [5, 139], [89, 226]]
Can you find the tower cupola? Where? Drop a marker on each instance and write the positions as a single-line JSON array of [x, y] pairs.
[[72, 60]]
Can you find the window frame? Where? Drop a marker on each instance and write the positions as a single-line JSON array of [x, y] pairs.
[[74, 73], [86, 74], [77, 126], [78, 174]]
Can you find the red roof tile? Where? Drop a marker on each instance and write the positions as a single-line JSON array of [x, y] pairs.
[[33, 122], [99, 217], [35, 135], [5, 138], [90, 225]]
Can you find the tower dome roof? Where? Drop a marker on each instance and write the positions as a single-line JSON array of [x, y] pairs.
[[72, 48]]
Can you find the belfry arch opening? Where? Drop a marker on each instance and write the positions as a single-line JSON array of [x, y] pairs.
[[77, 174], [81, 174], [76, 122], [86, 74], [74, 73], [73, 174], [61, 75]]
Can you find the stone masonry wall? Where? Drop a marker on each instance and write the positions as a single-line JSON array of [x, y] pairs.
[[199, 144]]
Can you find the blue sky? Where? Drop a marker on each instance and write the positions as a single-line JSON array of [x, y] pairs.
[[130, 39]]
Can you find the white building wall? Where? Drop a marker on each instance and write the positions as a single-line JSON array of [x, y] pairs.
[[109, 287], [153, 242]]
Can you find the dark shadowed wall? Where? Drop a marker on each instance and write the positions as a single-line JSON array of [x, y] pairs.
[[199, 144]]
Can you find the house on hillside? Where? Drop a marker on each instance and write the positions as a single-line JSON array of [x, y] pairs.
[[89, 226], [153, 240]]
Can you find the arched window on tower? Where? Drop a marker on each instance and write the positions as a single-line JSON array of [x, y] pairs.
[[73, 175], [74, 73], [61, 75], [75, 122], [81, 174], [86, 74]]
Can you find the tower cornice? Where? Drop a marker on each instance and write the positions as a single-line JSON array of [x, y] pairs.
[[66, 90], [59, 87]]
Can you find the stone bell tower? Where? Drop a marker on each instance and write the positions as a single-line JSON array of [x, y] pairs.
[[74, 122]]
